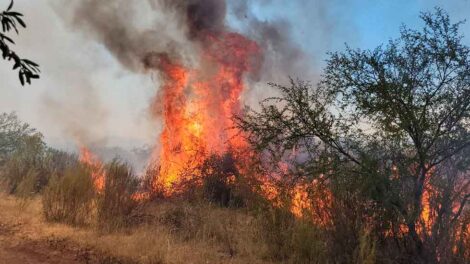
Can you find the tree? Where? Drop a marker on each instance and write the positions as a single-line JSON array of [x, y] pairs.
[[12, 20], [396, 116], [12, 134], [22, 153]]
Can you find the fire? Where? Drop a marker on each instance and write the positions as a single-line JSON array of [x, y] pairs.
[[198, 105], [96, 166], [313, 208]]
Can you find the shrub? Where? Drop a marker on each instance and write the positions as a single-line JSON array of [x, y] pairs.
[[291, 240], [222, 183], [183, 219], [69, 198], [115, 203], [27, 158], [27, 188], [366, 250]]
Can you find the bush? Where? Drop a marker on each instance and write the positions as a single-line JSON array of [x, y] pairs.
[[27, 188], [231, 231], [28, 155], [222, 183], [115, 203], [291, 240], [69, 198]]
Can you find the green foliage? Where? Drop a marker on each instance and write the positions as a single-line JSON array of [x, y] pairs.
[[23, 152], [69, 199], [11, 20], [383, 126], [12, 133], [29, 156]]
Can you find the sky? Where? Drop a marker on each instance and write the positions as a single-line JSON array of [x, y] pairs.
[[83, 90]]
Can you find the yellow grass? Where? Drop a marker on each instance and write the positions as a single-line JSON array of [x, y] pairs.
[[179, 233]]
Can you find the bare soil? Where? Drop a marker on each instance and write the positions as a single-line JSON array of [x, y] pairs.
[[24, 241], [18, 249]]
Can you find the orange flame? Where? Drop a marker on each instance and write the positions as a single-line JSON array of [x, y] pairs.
[[198, 105], [96, 166]]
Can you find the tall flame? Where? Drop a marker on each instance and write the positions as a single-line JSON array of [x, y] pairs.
[[198, 104]]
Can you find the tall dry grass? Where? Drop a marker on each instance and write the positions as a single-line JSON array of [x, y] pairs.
[[69, 199], [219, 235], [115, 204]]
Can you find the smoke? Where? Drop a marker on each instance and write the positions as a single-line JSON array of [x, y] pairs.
[[95, 55], [200, 15], [139, 34], [175, 29], [79, 118], [283, 57], [130, 31]]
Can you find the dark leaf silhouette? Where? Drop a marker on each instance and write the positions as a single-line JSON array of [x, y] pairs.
[[10, 6], [27, 69]]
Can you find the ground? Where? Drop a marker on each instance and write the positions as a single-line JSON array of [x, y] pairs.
[[22, 243], [182, 233], [17, 247], [17, 250]]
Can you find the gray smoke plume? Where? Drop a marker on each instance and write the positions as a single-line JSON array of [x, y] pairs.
[[139, 34], [283, 57], [175, 29], [200, 15], [130, 30]]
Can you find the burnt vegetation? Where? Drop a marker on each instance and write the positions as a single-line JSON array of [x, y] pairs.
[[379, 151]]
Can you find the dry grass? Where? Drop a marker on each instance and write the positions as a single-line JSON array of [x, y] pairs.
[[69, 199], [174, 233], [115, 204]]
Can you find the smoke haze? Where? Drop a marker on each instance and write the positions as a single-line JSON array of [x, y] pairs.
[[96, 56]]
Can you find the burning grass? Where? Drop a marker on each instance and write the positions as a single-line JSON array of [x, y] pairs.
[[217, 217]]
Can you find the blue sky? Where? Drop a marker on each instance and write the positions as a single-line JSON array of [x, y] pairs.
[[321, 26]]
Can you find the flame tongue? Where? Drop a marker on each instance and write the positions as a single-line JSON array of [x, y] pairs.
[[198, 104], [96, 166]]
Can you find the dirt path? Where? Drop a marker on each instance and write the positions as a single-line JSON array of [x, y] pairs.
[[17, 249]]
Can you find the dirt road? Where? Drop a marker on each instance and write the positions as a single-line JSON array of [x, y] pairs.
[[17, 249]]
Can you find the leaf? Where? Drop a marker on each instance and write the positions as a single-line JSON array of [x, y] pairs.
[[14, 26], [8, 39], [30, 62], [10, 6], [6, 24], [21, 78], [5, 50], [13, 14], [21, 22]]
